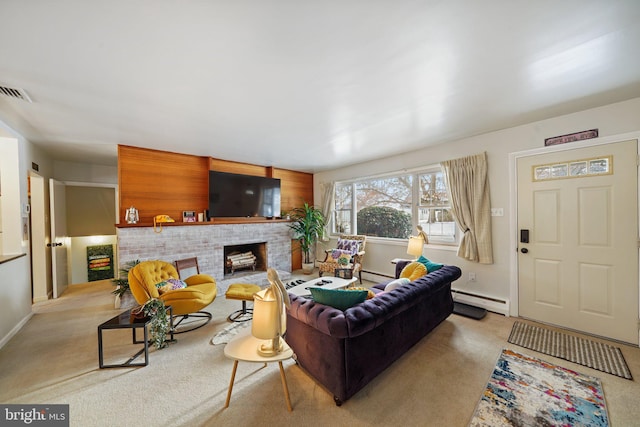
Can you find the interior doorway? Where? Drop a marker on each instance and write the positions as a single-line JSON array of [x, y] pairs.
[[41, 241]]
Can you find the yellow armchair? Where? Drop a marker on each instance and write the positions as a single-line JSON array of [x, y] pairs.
[[186, 302]]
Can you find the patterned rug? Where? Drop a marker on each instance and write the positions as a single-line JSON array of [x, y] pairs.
[[230, 331], [592, 354], [525, 391]]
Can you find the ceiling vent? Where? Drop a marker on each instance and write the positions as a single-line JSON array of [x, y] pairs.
[[14, 93]]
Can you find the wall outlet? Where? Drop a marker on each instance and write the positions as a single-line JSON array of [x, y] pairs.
[[472, 277], [497, 212]]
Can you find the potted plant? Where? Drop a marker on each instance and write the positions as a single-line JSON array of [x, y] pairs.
[[122, 282], [308, 225], [159, 326]]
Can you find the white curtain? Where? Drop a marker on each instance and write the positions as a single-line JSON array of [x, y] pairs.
[[468, 185], [328, 207]]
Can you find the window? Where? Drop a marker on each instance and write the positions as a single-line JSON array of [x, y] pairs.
[[384, 206], [434, 208], [342, 214]]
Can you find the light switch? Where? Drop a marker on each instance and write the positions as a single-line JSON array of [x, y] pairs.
[[497, 212]]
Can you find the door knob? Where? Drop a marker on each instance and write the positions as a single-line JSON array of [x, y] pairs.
[[524, 250]]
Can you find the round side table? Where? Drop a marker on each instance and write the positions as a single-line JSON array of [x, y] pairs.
[[245, 347]]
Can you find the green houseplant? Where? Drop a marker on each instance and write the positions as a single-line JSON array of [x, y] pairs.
[[160, 325], [155, 311], [122, 282], [308, 226]]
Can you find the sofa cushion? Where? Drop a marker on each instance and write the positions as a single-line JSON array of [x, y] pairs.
[[413, 271], [353, 246], [431, 266], [370, 293], [170, 285], [395, 283], [338, 298], [337, 253]]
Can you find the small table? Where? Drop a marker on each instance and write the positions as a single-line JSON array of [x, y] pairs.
[[123, 321], [397, 260], [245, 347], [321, 282]]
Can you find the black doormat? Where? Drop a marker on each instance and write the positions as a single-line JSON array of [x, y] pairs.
[[592, 354]]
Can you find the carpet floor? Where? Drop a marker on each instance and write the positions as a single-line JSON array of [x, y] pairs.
[[53, 359]]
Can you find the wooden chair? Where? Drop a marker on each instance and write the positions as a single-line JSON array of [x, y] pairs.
[[185, 267], [354, 245]]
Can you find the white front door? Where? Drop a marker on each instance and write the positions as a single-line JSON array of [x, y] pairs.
[[579, 269], [59, 240]]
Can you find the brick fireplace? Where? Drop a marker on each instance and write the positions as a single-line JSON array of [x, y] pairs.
[[250, 256], [207, 242]]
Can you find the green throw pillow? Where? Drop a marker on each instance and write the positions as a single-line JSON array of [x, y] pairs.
[[338, 298], [431, 266]]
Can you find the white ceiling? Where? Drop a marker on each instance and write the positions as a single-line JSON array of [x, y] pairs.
[[304, 85]]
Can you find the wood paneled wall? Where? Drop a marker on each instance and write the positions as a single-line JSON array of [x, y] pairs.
[[237, 167], [295, 188], [160, 182]]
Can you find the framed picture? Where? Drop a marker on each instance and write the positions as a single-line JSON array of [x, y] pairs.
[[578, 136], [344, 273], [189, 216]]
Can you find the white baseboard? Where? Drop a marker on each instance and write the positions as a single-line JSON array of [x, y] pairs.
[[40, 299], [15, 330], [494, 305], [375, 277]]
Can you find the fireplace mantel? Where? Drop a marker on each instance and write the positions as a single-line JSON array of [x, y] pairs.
[[214, 221], [207, 242]]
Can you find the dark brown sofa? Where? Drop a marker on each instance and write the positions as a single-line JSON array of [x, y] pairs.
[[345, 350]]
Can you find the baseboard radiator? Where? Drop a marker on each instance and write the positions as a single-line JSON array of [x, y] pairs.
[[492, 304], [375, 277]]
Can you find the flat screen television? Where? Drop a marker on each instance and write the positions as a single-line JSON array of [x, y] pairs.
[[235, 195]]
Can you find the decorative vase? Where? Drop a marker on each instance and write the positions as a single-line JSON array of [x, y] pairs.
[[127, 301], [307, 268]]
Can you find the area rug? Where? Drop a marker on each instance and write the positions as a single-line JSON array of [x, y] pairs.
[[525, 391], [225, 335], [591, 354]]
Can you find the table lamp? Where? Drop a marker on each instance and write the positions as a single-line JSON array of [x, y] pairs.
[[416, 243], [269, 316]]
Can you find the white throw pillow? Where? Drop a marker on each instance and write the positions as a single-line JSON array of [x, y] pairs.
[[395, 283]]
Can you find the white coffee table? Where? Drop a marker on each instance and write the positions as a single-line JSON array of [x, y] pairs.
[[334, 283]]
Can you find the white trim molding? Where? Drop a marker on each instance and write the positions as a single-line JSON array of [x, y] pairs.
[[513, 195]]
